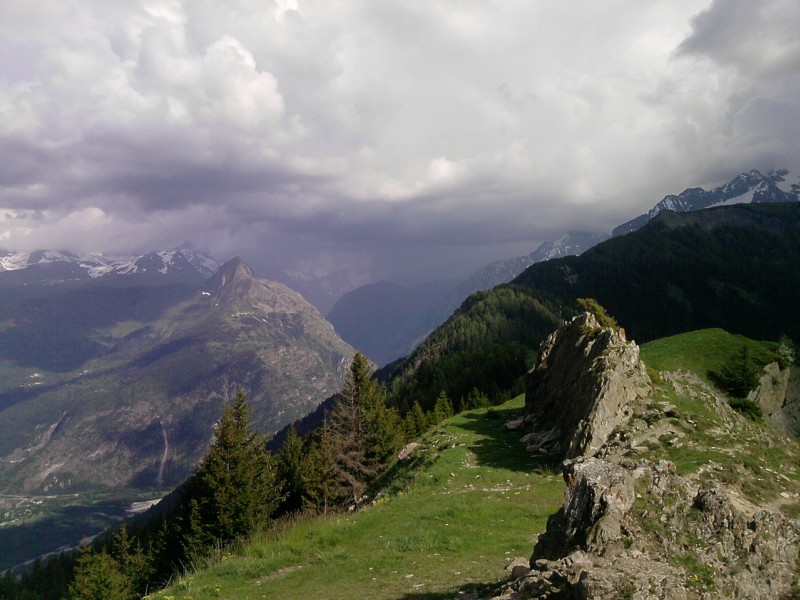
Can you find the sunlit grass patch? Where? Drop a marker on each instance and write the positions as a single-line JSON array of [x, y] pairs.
[[448, 526]]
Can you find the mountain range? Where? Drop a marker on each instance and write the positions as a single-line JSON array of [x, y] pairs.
[[733, 267], [53, 267], [745, 188], [108, 387], [409, 313], [387, 320]]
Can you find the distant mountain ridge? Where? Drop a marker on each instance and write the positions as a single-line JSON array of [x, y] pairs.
[[733, 267], [147, 376], [411, 312], [387, 320], [49, 267], [745, 188], [571, 243]]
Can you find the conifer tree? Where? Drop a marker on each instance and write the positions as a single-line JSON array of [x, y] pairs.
[[443, 409], [234, 490], [476, 399], [348, 428], [133, 562], [99, 577], [417, 421], [320, 473], [8, 585], [290, 466], [738, 374], [365, 431]]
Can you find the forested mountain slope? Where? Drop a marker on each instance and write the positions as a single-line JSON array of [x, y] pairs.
[[734, 267]]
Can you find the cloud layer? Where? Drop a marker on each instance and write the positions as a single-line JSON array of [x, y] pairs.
[[386, 136]]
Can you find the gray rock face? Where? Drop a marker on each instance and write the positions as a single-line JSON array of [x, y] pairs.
[[582, 384], [778, 395], [598, 495], [646, 529], [599, 546]]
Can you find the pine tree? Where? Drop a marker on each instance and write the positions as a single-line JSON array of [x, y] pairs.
[[737, 375], [99, 577], [348, 428], [235, 488], [443, 409], [320, 471], [416, 421], [9, 588], [290, 466], [476, 399], [133, 562], [366, 433]]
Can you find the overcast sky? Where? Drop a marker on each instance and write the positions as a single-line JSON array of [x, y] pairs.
[[396, 137]]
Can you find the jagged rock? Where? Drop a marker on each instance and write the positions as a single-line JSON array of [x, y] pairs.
[[598, 494], [582, 384], [636, 528], [517, 568], [514, 424], [407, 451], [600, 545], [778, 395]]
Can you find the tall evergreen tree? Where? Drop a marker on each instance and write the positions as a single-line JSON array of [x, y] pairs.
[[290, 467], [134, 563], [235, 489], [99, 577], [737, 375], [320, 472], [366, 432], [443, 409]]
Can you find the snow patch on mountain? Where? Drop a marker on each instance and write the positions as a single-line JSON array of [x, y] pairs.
[[182, 259], [750, 187], [745, 198]]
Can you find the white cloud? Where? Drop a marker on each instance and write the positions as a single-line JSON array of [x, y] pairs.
[[332, 123]]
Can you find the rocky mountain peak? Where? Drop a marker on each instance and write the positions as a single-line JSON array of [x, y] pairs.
[[231, 273], [581, 386], [746, 188]]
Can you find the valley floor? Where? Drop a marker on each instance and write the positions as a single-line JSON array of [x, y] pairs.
[[468, 501], [32, 526]]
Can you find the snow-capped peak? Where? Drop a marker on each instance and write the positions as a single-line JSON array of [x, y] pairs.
[[750, 187], [181, 260]]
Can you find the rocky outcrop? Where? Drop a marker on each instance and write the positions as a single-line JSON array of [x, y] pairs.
[[778, 395], [639, 530], [597, 497], [581, 387], [633, 524]]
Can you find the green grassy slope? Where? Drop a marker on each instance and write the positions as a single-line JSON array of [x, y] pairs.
[[707, 442], [703, 351], [472, 498], [474, 501]]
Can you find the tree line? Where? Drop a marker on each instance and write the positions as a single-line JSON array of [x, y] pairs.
[[238, 488]]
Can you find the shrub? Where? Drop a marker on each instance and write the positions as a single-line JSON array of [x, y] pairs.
[[748, 408], [603, 318], [737, 375]]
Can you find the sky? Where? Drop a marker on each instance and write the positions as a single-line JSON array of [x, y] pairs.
[[392, 139]]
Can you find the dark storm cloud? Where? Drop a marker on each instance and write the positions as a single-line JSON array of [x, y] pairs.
[[758, 38], [317, 135]]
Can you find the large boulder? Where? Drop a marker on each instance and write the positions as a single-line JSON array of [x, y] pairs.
[[778, 395], [581, 387]]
